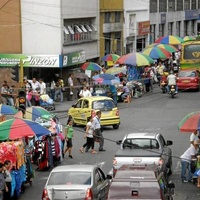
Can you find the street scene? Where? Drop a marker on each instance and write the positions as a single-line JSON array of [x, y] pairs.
[[99, 100]]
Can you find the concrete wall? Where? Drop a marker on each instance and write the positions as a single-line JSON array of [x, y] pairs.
[[41, 27], [10, 27]]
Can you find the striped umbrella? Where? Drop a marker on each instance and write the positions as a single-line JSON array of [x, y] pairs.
[[7, 110], [91, 66], [170, 39], [110, 57], [188, 38], [156, 53], [167, 47]]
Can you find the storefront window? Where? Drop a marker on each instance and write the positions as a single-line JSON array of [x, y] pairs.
[[178, 28], [194, 6], [107, 43], [171, 5], [153, 6], [161, 30], [117, 16], [107, 18], [153, 33], [170, 28], [163, 6], [179, 5], [187, 5]]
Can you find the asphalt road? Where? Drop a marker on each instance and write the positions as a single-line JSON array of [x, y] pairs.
[[154, 112]]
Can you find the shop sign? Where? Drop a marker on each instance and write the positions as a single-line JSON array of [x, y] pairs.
[[143, 28], [8, 60], [191, 14], [163, 18], [74, 58]]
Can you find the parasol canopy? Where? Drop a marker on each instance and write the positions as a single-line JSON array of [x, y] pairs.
[[167, 47], [81, 75], [135, 59], [170, 39], [112, 80], [19, 128], [190, 122], [91, 66], [188, 38], [7, 110], [116, 70], [110, 57], [156, 53], [33, 113]]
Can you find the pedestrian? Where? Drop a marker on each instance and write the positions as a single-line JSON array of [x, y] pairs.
[[89, 137], [71, 83], [52, 89], [186, 159], [85, 92], [194, 137], [69, 135], [197, 172], [42, 86], [113, 90], [2, 182], [59, 89], [98, 130], [8, 179]]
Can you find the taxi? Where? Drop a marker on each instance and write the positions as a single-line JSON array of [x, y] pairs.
[[88, 106]]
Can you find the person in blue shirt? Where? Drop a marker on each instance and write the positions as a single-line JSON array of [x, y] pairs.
[[126, 91], [113, 90]]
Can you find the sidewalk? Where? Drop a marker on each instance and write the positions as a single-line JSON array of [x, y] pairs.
[[64, 106]]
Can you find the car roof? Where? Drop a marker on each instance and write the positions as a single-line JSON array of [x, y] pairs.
[[95, 98], [76, 167], [141, 135]]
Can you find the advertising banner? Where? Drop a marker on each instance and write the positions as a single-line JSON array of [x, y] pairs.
[[143, 28], [74, 58]]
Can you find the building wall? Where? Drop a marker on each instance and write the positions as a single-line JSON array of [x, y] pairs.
[[111, 5], [41, 27], [10, 27]]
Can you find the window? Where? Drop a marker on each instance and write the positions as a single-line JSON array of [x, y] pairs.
[[187, 5], [99, 179], [107, 18], [85, 104], [170, 28], [163, 6], [193, 5], [179, 5], [79, 104], [153, 6], [171, 5], [141, 144], [117, 16], [198, 4]]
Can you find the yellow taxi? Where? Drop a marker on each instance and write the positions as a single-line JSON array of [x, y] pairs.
[[88, 106]]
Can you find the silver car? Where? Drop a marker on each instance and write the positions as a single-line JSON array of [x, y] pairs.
[[76, 182]]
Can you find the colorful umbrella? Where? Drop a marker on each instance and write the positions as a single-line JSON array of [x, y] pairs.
[[33, 113], [105, 76], [167, 47], [190, 123], [188, 38], [99, 80], [81, 75], [156, 53], [116, 70], [7, 110], [91, 66], [110, 57], [19, 128], [170, 39], [135, 59]]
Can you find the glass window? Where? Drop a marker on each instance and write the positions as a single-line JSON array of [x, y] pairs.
[[99, 179], [163, 6], [187, 74], [193, 4], [153, 6], [85, 104], [79, 104], [171, 5], [70, 178], [187, 5], [117, 16], [179, 5], [141, 143], [162, 140], [103, 105], [107, 18]]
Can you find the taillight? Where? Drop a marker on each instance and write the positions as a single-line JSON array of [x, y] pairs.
[[93, 113], [117, 112], [89, 194], [45, 195], [195, 80]]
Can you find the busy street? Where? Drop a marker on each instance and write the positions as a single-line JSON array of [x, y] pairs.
[[154, 112]]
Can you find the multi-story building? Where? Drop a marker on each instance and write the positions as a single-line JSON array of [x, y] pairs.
[[136, 25], [173, 17], [111, 27]]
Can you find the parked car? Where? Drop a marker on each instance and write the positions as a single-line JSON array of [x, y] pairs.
[[188, 79], [88, 106], [144, 148], [81, 182], [140, 182]]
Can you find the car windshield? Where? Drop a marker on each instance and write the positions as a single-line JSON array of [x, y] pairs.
[[70, 178], [135, 174], [187, 74], [142, 143], [103, 105]]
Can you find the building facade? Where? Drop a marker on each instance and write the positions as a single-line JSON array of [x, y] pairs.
[[136, 25], [111, 27], [173, 17]]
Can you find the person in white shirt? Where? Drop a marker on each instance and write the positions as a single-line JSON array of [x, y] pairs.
[[186, 159], [42, 87], [194, 137], [52, 88], [171, 80], [85, 92], [71, 83], [34, 84]]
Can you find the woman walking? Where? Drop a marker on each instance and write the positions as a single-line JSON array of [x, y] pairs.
[[89, 135], [69, 135]]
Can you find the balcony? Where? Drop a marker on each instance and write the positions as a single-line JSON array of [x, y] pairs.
[[112, 27]]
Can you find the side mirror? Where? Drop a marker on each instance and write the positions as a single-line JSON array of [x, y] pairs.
[[171, 185], [109, 177], [118, 142], [169, 142], [73, 106]]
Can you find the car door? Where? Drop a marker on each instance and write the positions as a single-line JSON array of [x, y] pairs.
[[85, 112], [75, 111]]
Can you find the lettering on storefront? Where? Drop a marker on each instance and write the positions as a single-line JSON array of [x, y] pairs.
[[9, 61], [74, 58], [143, 28], [43, 61]]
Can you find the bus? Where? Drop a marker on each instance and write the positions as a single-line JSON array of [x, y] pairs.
[[190, 55]]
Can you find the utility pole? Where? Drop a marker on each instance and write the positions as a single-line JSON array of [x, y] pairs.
[[21, 73]]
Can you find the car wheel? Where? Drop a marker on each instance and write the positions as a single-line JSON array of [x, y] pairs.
[[170, 172], [116, 126]]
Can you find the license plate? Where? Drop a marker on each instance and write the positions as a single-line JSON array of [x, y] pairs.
[[185, 81], [105, 112], [172, 90]]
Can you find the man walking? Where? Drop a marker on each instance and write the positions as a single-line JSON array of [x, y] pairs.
[[97, 130]]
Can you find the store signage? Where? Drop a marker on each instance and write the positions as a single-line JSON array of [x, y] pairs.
[[74, 58], [163, 18], [143, 28], [191, 14], [8, 60]]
